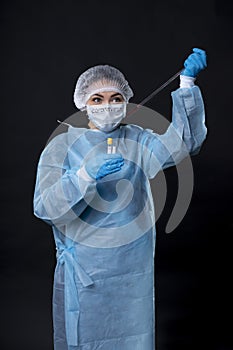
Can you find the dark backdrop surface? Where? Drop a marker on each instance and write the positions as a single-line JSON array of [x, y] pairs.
[[45, 46]]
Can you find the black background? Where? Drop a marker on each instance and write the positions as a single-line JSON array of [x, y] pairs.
[[45, 46]]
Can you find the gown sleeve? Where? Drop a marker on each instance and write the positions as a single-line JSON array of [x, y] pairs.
[[184, 136], [60, 194]]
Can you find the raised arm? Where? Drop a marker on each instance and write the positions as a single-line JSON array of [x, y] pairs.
[[187, 132]]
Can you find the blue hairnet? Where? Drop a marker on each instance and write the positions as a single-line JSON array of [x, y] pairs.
[[100, 78]]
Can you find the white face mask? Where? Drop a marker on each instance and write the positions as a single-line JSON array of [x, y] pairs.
[[106, 117]]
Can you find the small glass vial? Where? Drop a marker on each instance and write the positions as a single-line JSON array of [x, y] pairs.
[[109, 145]]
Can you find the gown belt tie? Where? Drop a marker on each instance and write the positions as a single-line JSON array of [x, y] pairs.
[[72, 310]]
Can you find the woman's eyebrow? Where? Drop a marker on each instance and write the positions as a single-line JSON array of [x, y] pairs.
[[98, 95], [116, 94], [113, 95]]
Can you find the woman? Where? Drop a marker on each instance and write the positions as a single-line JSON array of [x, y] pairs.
[[101, 209]]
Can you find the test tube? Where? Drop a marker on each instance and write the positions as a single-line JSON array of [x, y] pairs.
[[109, 145]]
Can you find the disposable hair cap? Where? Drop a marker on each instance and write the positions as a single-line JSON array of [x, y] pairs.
[[97, 79]]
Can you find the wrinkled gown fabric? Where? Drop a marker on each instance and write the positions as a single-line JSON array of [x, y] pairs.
[[104, 231]]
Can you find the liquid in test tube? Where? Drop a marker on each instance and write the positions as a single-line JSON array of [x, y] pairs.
[[111, 149], [109, 145]]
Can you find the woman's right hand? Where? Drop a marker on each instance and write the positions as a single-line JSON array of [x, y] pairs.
[[104, 164]]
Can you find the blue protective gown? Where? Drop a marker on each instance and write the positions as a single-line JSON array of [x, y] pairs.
[[104, 231]]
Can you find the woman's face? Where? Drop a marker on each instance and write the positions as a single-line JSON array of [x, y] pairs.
[[105, 97]]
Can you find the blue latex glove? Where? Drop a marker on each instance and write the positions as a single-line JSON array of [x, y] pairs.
[[104, 164], [195, 63]]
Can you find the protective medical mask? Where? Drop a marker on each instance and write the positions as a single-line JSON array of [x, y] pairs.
[[108, 116]]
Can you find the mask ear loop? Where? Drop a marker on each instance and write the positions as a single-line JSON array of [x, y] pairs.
[[63, 123]]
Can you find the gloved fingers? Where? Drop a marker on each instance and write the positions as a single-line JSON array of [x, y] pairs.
[[201, 54], [114, 161], [114, 170], [194, 62], [199, 51], [191, 59], [187, 62], [202, 59], [108, 169], [111, 166], [199, 59]]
